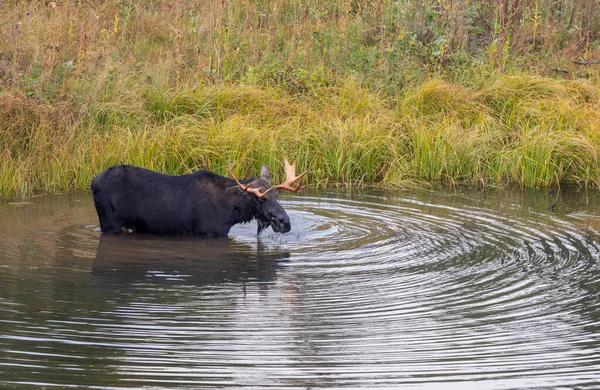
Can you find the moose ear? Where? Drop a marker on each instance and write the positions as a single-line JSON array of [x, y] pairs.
[[265, 173]]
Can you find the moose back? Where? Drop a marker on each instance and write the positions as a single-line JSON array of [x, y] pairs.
[[198, 204]]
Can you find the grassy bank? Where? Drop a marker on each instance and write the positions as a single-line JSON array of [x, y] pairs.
[[529, 130], [385, 93]]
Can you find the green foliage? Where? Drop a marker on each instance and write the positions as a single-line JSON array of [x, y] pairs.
[[391, 93], [532, 131]]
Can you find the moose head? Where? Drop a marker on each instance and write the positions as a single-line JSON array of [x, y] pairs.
[[269, 211]]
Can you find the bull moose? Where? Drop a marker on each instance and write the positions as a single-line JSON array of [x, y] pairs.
[[202, 203]]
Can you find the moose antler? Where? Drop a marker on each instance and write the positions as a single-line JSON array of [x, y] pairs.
[[247, 188], [290, 177]]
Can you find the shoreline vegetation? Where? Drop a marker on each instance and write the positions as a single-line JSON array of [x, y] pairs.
[[386, 93]]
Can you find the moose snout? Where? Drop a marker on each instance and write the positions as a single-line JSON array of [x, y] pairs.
[[281, 225], [285, 226]]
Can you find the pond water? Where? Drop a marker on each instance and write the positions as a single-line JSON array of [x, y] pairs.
[[469, 290]]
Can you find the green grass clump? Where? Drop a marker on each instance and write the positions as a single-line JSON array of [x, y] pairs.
[[531, 131]]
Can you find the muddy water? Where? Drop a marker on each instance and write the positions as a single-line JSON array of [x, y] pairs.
[[391, 289]]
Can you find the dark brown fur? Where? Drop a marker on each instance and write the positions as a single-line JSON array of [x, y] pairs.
[[199, 204]]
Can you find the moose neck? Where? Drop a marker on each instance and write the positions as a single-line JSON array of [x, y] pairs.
[[244, 208]]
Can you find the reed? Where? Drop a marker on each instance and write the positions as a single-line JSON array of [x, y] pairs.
[[358, 92], [528, 130]]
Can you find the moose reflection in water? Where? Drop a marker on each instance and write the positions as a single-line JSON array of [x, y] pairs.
[[199, 204], [189, 260]]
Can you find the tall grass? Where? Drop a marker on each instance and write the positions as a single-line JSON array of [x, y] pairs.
[[532, 131], [386, 93], [100, 50]]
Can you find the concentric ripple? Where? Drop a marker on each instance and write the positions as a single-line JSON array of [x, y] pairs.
[[392, 289]]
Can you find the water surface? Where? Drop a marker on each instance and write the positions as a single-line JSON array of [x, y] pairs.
[[495, 290]]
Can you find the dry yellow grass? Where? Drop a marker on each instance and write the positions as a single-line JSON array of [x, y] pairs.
[[201, 85], [536, 134]]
